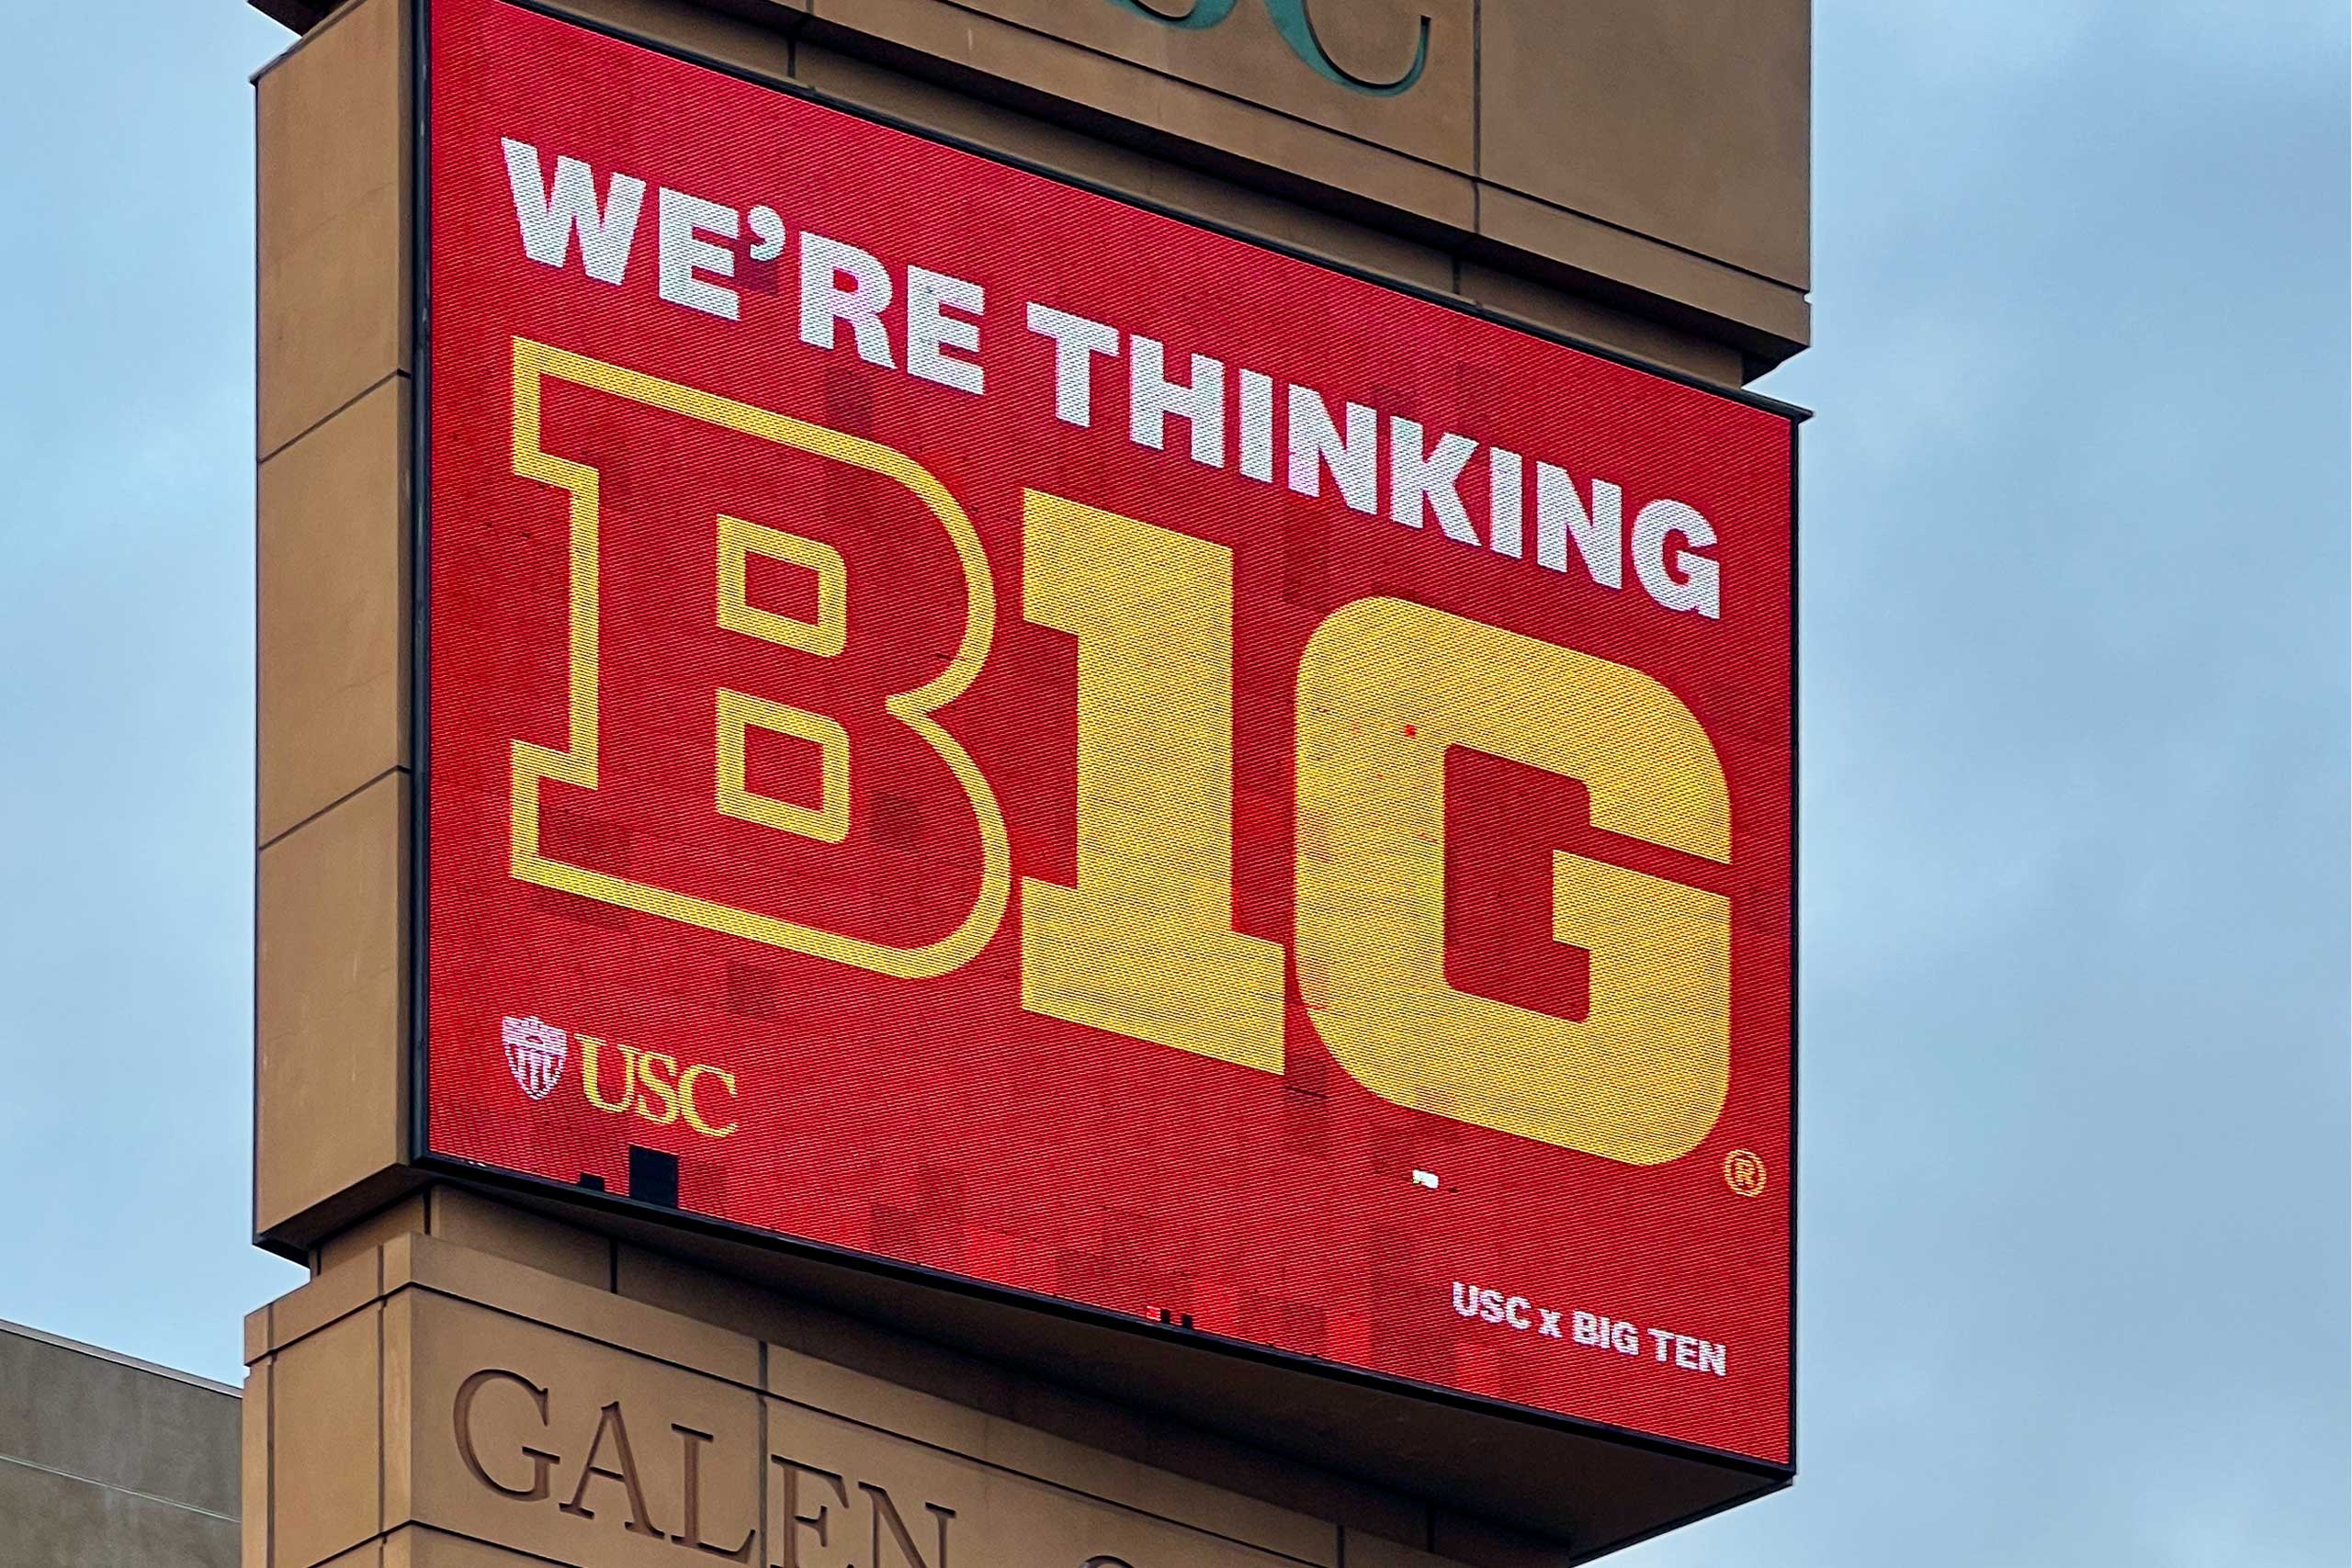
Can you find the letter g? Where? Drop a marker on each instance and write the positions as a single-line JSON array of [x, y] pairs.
[[462, 1414]]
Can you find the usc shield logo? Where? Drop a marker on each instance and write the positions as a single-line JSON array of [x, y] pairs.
[[534, 1055]]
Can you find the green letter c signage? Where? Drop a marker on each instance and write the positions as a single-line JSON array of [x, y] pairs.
[[1296, 26], [1203, 13]]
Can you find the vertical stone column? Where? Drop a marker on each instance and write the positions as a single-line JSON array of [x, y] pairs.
[[334, 360]]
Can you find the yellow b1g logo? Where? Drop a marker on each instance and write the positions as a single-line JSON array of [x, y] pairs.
[[1140, 942]]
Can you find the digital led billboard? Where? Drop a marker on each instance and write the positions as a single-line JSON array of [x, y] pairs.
[[976, 724]]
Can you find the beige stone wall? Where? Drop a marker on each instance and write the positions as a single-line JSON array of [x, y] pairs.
[[462, 1383], [331, 547]]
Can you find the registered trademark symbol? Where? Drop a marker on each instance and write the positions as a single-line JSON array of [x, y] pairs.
[[1744, 1172]]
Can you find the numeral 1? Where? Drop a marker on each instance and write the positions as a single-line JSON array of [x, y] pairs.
[[1144, 944]]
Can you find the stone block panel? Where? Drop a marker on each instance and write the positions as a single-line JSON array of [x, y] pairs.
[[332, 550], [331, 152], [1688, 121], [331, 1004]]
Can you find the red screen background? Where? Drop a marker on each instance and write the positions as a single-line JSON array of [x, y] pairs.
[[935, 1122]]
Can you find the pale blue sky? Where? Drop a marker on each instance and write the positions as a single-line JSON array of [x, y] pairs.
[[2074, 845]]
